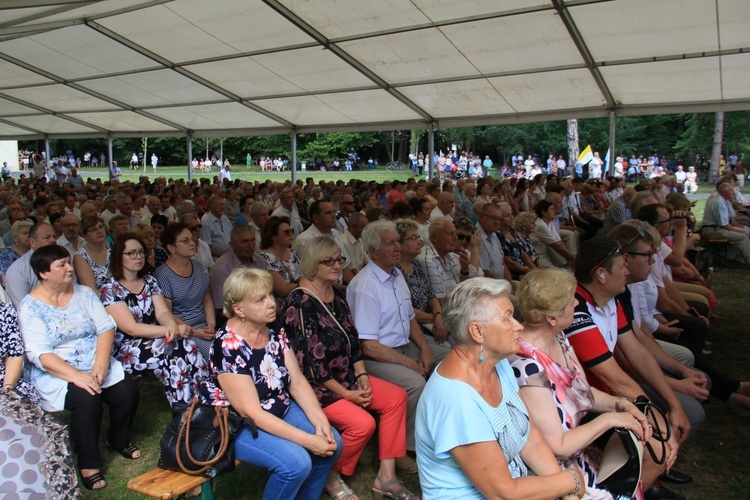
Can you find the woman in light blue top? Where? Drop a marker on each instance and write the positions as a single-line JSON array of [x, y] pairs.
[[474, 436], [68, 339]]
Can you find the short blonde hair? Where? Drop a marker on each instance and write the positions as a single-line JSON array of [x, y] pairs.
[[523, 218], [545, 292], [142, 230], [245, 283], [316, 250], [18, 226]]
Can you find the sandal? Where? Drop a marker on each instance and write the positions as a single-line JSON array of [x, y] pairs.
[[400, 494], [340, 492], [128, 452], [90, 481]]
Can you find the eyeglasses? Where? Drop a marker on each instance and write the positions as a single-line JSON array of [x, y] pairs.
[[195, 227], [493, 218], [464, 237], [98, 227], [616, 250], [347, 203], [330, 261], [641, 234], [412, 238], [287, 232], [665, 221], [134, 254], [186, 241]]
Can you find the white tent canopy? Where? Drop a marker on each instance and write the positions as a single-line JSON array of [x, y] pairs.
[[85, 68]]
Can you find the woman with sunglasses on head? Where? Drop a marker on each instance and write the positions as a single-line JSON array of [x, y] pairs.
[[155, 255], [276, 241], [203, 251], [91, 261], [148, 340], [426, 306], [320, 328], [184, 284]]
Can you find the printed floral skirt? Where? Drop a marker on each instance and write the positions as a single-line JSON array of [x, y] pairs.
[[35, 457]]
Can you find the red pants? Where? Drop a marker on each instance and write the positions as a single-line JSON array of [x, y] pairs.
[[356, 425]]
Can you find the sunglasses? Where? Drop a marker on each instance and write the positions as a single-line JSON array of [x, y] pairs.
[[641, 234], [615, 251], [195, 227], [464, 237]]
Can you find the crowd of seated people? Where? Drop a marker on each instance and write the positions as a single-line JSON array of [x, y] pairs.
[[357, 298]]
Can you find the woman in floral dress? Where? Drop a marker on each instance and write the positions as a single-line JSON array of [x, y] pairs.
[[321, 330], [277, 236], [254, 371], [148, 340]]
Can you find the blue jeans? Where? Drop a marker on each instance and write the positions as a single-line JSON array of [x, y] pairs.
[[295, 472]]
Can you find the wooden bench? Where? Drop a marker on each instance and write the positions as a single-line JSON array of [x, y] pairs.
[[167, 484], [718, 247]]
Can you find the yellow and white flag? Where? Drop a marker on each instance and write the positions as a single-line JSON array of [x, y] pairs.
[[586, 155]]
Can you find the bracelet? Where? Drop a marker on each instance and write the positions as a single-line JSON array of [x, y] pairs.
[[464, 273], [617, 403], [439, 312], [578, 483], [361, 374]]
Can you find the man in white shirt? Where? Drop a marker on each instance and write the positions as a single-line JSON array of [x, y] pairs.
[[392, 342], [446, 205], [70, 239], [323, 219], [346, 208], [443, 267], [353, 242], [491, 256], [287, 208], [216, 227], [125, 207]]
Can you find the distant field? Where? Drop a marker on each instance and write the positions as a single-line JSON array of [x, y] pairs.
[[253, 174]]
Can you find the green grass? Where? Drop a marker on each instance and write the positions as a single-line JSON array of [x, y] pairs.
[[251, 174]]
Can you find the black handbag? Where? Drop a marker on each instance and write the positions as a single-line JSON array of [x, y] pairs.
[[661, 433], [622, 459], [204, 436]]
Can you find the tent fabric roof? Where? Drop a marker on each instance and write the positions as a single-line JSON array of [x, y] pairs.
[[87, 68]]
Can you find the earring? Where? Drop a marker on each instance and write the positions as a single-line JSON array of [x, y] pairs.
[[173, 256], [481, 350]]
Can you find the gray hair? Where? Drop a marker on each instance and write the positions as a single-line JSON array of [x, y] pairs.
[[257, 207], [18, 226], [639, 201], [184, 208], [403, 226], [438, 223], [470, 301], [371, 233]]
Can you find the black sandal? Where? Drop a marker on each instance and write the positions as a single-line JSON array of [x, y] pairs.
[[89, 482], [128, 452]]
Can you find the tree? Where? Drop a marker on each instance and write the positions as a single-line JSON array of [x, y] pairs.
[[713, 173], [573, 147]]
